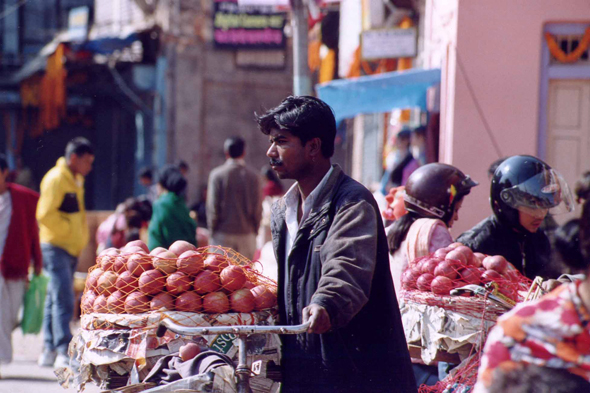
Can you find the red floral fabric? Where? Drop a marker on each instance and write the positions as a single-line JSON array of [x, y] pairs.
[[553, 331]]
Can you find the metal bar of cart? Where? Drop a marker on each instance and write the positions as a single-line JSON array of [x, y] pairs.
[[242, 331]]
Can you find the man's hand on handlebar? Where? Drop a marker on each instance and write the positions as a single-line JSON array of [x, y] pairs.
[[319, 318]]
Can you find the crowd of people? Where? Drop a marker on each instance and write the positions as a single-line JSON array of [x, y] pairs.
[[339, 262]]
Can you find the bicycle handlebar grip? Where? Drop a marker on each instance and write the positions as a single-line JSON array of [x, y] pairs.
[[161, 330]]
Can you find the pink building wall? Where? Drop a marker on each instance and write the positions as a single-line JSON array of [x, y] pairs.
[[498, 44]]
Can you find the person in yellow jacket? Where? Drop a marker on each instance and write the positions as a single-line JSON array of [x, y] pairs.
[[63, 232]]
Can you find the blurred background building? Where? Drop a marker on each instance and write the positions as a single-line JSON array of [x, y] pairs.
[[152, 81]]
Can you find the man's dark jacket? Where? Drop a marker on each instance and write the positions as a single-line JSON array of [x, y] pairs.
[[339, 260], [529, 252]]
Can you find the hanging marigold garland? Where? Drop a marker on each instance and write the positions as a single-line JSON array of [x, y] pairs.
[[571, 57]]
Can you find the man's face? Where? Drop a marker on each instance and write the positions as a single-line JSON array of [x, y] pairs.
[[145, 181], [288, 156], [531, 219], [456, 212], [82, 164]]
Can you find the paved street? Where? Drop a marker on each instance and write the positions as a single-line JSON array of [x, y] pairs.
[[24, 376]]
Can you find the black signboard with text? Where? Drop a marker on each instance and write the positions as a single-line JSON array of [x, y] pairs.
[[247, 27]]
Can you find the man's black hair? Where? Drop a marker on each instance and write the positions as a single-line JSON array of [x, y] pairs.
[[79, 146], [404, 133], [182, 165], [3, 163], [234, 146], [146, 172], [305, 117]]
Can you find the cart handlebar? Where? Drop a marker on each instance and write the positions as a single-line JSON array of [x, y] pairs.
[[237, 329]]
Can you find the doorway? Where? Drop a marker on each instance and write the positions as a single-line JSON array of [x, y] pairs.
[[568, 132]]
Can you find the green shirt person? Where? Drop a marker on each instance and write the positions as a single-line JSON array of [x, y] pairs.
[[170, 219]]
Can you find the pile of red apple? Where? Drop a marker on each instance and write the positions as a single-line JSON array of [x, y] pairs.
[[134, 280], [456, 266]]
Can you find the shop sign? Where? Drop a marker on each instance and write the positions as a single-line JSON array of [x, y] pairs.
[[388, 43], [263, 59], [274, 3], [78, 23], [247, 27]]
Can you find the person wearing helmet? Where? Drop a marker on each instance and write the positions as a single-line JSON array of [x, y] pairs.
[[524, 190], [433, 196]]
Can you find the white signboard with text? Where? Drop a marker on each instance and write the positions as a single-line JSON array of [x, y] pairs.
[[388, 43]]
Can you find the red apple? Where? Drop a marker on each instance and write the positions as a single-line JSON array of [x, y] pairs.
[[190, 262], [137, 243], [157, 251], [165, 262], [137, 303], [470, 275], [441, 285], [162, 301], [92, 278], [138, 264], [479, 256], [177, 283], [442, 252], [492, 275], [232, 278], [116, 302], [152, 282], [108, 259], [447, 269], [216, 262], [127, 282], [457, 256], [207, 281], [188, 301], [466, 251], [180, 246], [87, 303], [189, 351], [263, 297], [216, 303], [424, 281], [100, 305], [496, 262], [106, 283], [242, 300], [409, 278]]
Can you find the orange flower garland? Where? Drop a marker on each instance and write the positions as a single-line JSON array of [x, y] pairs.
[[572, 57]]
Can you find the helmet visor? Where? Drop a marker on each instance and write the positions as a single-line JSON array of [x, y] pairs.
[[546, 192]]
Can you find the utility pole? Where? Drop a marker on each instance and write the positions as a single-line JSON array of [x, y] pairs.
[[301, 78]]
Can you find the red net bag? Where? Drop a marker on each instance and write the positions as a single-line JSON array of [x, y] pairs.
[[436, 281], [212, 280], [430, 280]]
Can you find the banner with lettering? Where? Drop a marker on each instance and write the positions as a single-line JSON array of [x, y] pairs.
[[247, 27]]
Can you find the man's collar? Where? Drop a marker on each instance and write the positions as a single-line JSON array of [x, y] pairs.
[[319, 194], [237, 161]]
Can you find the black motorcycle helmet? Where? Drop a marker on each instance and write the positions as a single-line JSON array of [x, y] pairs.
[[527, 182], [433, 190]]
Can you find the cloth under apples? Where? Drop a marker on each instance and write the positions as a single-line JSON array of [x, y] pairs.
[[171, 368]]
